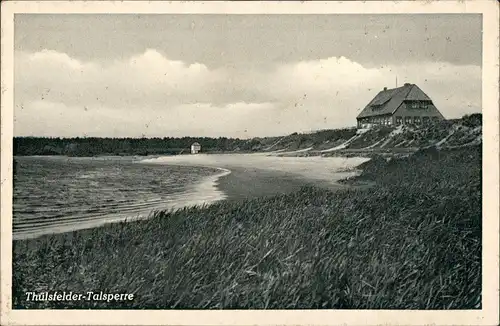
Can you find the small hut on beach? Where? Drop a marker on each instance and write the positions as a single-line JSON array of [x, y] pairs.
[[195, 148]]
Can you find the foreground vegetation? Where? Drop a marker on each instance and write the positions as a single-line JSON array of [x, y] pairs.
[[411, 242]]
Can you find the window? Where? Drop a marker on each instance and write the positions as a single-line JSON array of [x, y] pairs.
[[416, 120], [418, 104], [407, 120], [399, 121]]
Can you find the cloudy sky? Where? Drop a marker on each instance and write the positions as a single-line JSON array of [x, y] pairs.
[[232, 75]]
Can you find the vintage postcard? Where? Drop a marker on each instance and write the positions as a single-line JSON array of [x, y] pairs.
[[248, 163]]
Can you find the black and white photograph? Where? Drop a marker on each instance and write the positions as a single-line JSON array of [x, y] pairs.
[[199, 160]]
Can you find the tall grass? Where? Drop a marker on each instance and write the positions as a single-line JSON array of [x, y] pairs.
[[411, 242]]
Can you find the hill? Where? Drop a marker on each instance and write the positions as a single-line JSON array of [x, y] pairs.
[[348, 141], [466, 131]]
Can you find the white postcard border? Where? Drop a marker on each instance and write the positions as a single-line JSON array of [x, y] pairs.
[[488, 315]]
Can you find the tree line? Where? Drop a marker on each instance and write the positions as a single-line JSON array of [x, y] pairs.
[[91, 146]]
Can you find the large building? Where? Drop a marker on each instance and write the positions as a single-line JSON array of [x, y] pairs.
[[407, 104]]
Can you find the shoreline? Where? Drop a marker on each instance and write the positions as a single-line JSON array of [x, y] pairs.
[[301, 250], [231, 183], [262, 175], [244, 184], [238, 182]]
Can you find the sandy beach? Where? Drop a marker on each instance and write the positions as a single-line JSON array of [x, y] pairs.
[[263, 175], [245, 183]]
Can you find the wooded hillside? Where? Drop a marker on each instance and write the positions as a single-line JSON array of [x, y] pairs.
[[448, 133]]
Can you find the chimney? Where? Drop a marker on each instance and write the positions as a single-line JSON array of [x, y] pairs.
[[385, 88]]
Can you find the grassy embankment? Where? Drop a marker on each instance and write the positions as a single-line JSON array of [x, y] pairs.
[[411, 242], [390, 141]]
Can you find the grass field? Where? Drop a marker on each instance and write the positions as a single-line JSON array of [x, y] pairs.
[[412, 241]]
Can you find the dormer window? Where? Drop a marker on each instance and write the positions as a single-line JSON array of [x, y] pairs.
[[418, 104]]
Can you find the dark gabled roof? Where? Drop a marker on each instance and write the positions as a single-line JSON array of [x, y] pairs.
[[388, 101], [195, 144]]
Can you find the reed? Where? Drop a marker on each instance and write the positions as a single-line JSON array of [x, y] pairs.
[[413, 241]]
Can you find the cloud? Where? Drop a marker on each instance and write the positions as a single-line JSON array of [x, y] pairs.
[[339, 88], [46, 118], [53, 58], [122, 84], [323, 76], [150, 94]]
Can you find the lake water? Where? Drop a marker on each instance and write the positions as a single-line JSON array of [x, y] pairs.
[[60, 194], [57, 194]]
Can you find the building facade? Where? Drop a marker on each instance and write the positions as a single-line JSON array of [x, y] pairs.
[[195, 148], [405, 105]]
